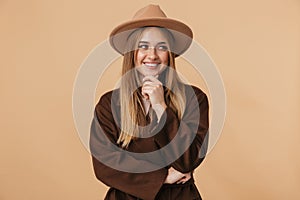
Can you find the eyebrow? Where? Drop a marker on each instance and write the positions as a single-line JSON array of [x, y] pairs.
[[149, 42]]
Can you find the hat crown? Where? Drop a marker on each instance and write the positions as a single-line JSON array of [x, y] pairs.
[[152, 15], [150, 11]]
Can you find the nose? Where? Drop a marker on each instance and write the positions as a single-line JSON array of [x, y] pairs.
[[152, 53]]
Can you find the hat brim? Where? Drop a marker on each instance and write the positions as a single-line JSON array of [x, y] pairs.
[[183, 35]]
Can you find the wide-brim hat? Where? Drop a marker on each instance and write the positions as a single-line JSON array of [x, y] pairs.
[[152, 15]]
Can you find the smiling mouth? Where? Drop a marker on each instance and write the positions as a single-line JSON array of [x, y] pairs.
[[151, 65]]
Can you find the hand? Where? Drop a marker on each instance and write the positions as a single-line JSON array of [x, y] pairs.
[[175, 176], [187, 176], [152, 90]]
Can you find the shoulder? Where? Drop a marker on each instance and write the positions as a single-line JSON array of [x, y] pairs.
[[108, 98], [192, 90]]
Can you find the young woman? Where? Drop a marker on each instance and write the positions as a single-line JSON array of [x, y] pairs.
[[149, 135]]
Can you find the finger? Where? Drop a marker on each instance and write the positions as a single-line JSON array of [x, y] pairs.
[[181, 181], [186, 178], [154, 88], [152, 79], [147, 90], [150, 83], [145, 95], [150, 89], [147, 82]]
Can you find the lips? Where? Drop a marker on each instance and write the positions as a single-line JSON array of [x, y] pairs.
[[151, 64]]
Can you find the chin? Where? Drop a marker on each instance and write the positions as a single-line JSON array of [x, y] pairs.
[[152, 73], [149, 72]]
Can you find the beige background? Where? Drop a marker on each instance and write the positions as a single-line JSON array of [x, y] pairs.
[[255, 44]]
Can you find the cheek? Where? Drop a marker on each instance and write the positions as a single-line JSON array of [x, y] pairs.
[[164, 58], [139, 58]]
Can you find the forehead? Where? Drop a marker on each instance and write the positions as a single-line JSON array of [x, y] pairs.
[[153, 35]]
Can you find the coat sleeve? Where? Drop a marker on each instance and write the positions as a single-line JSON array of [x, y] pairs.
[[191, 130], [103, 147]]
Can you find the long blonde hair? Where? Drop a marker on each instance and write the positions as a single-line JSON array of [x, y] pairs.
[[130, 97]]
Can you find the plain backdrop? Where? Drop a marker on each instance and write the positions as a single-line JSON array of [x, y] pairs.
[[255, 44]]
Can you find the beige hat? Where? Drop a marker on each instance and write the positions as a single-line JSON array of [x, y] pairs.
[[152, 15]]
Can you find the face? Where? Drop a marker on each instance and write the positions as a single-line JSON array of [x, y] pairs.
[[152, 53]]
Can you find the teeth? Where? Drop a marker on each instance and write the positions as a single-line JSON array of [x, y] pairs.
[[151, 64]]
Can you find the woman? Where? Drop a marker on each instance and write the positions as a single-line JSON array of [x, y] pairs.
[[149, 135]]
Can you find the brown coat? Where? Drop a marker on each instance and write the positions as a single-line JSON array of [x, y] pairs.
[[149, 185]]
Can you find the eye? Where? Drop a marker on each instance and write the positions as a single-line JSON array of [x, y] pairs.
[[162, 48], [143, 46]]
